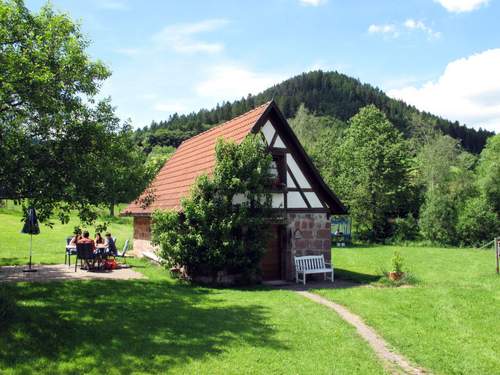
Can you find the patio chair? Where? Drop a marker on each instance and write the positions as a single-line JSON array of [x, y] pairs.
[[69, 252], [85, 252], [122, 254]]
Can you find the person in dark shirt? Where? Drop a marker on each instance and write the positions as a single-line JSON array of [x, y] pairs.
[[110, 244]]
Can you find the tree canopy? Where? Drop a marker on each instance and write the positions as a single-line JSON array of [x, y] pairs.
[[325, 94], [54, 135], [223, 223]]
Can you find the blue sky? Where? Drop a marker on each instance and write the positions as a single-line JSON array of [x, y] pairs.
[[179, 56]]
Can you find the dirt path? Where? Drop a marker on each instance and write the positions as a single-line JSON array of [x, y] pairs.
[[393, 362]]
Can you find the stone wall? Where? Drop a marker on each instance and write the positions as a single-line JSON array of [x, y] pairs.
[[308, 234], [142, 235], [142, 228]]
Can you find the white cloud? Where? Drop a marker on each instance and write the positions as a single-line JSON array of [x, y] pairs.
[[229, 82], [181, 37], [388, 29], [412, 24], [467, 91], [312, 3], [461, 6]]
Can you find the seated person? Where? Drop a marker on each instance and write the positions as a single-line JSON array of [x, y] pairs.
[[110, 244], [74, 239], [98, 239], [85, 239]]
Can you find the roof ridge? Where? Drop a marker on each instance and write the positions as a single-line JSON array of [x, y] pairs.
[[225, 122]]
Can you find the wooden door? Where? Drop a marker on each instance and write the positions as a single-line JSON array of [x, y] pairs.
[[271, 261]]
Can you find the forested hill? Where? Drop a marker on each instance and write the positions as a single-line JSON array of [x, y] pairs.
[[323, 93]]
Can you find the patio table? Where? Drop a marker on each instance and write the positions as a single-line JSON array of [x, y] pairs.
[[100, 252]]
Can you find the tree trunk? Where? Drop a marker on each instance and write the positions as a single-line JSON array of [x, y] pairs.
[[112, 209]]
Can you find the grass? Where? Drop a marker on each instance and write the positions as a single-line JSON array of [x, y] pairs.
[[49, 245], [158, 325], [448, 321]]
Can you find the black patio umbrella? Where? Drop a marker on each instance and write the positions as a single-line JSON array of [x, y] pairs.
[[31, 227]]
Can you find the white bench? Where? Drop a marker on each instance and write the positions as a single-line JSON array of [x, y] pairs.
[[312, 264]]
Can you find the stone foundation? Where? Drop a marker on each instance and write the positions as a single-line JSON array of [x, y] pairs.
[[308, 234]]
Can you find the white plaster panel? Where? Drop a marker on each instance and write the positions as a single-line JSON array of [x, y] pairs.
[[268, 131], [278, 200], [299, 176], [313, 200], [295, 200], [289, 181], [278, 143]]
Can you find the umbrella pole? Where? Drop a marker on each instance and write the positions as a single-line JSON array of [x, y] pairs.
[[31, 247]]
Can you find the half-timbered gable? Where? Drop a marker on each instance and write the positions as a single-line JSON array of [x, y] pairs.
[[302, 198]]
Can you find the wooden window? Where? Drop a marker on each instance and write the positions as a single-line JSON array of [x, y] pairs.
[[278, 172]]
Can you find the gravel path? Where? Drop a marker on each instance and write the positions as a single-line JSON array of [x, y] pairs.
[[394, 363]]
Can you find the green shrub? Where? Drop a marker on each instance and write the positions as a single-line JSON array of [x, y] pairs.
[[397, 262], [477, 222], [212, 235], [405, 229]]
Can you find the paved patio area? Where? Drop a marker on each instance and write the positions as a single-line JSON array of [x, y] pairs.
[[61, 272]]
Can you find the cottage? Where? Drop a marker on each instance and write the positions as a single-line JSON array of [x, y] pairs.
[[303, 200]]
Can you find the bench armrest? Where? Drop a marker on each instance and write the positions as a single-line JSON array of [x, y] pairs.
[[328, 264]]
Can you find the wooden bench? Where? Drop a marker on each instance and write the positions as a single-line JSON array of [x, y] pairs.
[[312, 264]]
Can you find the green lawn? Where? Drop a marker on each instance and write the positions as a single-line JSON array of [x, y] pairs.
[[160, 326], [449, 322], [49, 245]]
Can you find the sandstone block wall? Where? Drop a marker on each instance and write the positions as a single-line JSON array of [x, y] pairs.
[[308, 234], [142, 235]]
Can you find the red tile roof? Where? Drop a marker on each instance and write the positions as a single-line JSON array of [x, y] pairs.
[[194, 157]]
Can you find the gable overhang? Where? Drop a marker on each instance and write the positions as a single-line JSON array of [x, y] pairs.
[[275, 116]]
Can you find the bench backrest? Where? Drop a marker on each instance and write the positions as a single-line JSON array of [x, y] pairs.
[[310, 262]]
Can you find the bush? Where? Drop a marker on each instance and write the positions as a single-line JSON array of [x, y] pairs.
[[477, 223], [213, 236], [438, 218], [397, 262], [405, 229]]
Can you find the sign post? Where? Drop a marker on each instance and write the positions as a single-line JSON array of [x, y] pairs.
[[497, 253]]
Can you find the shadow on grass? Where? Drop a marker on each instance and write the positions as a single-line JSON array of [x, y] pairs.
[[13, 261], [356, 277], [126, 326]]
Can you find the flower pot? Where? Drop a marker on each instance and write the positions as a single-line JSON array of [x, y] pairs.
[[395, 276]]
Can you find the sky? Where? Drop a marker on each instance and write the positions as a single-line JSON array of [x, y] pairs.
[[442, 56]]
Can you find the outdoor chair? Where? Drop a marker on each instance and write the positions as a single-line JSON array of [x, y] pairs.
[[122, 254], [69, 252], [84, 252]]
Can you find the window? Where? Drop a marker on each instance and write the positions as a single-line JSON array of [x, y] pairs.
[[277, 171]]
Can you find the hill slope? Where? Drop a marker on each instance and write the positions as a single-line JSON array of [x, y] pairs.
[[323, 93]]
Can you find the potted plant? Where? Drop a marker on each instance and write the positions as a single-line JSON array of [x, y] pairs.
[[397, 266]]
